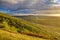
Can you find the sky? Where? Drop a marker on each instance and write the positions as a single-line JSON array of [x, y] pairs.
[[24, 6]]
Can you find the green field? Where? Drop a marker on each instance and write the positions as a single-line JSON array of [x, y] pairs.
[[49, 25], [12, 28], [29, 28]]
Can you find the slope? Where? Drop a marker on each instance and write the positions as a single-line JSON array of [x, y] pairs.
[[10, 24], [5, 35], [48, 24]]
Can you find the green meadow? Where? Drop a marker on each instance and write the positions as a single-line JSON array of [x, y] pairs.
[[29, 28]]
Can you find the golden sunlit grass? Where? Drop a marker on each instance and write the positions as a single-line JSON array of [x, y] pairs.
[[29, 28], [11, 26], [48, 25], [5, 35]]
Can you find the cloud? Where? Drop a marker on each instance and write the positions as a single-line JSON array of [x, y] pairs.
[[23, 3], [17, 5], [9, 1]]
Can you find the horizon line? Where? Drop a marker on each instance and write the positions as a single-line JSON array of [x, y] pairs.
[[36, 15]]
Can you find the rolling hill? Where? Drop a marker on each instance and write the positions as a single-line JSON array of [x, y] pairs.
[[49, 25], [5, 35], [29, 27], [12, 28]]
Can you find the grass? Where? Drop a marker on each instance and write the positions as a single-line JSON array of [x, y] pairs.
[[29, 28], [48, 25], [5, 35], [11, 27]]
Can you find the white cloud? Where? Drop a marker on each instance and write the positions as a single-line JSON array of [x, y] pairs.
[[10, 1], [56, 3], [21, 0], [23, 4]]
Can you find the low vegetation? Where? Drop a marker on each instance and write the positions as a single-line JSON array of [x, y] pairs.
[[29, 28], [12, 28], [48, 25]]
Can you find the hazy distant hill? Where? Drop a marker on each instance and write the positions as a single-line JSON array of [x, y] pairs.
[[12, 28], [29, 28], [48, 24]]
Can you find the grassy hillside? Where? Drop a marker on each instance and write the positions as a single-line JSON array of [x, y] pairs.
[[12, 28], [29, 28], [5, 35], [48, 24]]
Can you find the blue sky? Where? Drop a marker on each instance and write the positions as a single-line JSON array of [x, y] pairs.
[[23, 6], [58, 0]]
